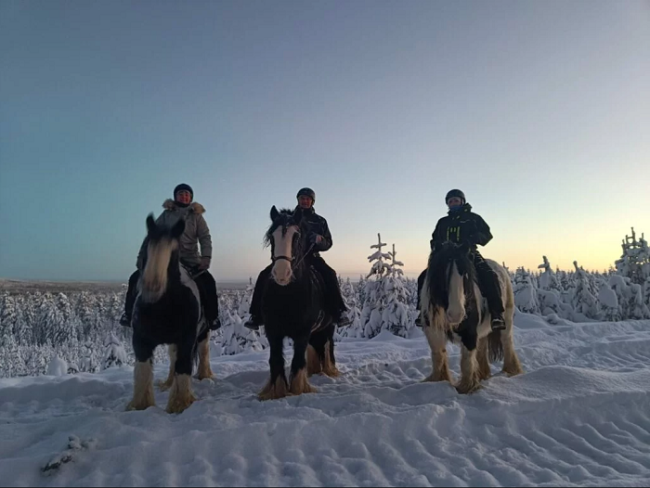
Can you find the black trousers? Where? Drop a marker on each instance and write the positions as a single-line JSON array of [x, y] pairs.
[[333, 298], [488, 283], [207, 289]]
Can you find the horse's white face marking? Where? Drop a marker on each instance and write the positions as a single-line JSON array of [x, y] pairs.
[[456, 308], [154, 278], [281, 272]]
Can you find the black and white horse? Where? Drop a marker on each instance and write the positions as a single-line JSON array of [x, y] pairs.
[[167, 310], [293, 305], [453, 309]]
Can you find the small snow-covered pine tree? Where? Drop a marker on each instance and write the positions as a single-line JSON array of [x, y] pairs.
[[114, 353], [525, 292]]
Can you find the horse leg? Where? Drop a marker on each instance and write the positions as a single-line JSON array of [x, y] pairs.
[[277, 386], [314, 359], [329, 362], [469, 380], [181, 396], [299, 381], [438, 341], [167, 384], [143, 394], [511, 364], [205, 371], [484, 371]]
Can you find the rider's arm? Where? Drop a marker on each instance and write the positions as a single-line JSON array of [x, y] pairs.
[[326, 242], [205, 240], [481, 235]]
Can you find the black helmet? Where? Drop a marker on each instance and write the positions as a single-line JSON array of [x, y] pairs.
[[185, 187], [455, 193], [308, 192]]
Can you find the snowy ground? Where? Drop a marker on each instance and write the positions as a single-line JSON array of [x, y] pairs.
[[579, 416]]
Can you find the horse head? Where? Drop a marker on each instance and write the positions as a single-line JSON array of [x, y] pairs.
[[162, 243], [451, 278], [286, 240]]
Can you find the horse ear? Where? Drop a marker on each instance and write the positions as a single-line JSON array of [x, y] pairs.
[[151, 224], [274, 213], [178, 229]]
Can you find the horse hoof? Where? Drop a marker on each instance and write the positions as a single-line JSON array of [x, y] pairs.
[[179, 406], [468, 388], [164, 385], [202, 377], [332, 373], [131, 407], [274, 391]]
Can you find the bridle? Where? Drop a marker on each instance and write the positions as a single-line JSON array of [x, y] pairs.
[[290, 259]]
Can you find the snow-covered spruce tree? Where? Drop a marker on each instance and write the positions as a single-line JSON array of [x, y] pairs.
[[608, 301], [351, 299], [396, 317], [635, 260], [373, 306], [584, 302], [233, 337], [525, 292], [547, 280], [114, 353]]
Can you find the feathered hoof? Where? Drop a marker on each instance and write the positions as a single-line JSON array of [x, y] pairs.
[[165, 385], [181, 397], [437, 378], [274, 391], [513, 372], [332, 372], [205, 375], [180, 405], [300, 384], [139, 405], [468, 387]]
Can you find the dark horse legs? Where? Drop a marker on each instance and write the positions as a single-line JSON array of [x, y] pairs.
[[299, 382], [278, 387]]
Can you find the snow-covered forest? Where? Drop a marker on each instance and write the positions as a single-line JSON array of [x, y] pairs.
[[58, 333]]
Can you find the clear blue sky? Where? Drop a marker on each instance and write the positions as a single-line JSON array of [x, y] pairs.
[[538, 110]]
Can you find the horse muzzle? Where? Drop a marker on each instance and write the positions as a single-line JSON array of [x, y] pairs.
[[282, 273]]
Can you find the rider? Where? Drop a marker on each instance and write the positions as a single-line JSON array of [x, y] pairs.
[[321, 240], [462, 225], [196, 232]]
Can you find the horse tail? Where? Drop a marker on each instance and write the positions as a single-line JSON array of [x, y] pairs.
[[495, 347]]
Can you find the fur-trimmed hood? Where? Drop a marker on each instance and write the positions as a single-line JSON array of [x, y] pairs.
[[195, 207]]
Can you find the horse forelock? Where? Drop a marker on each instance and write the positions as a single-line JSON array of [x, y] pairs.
[[156, 271], [283, 220]]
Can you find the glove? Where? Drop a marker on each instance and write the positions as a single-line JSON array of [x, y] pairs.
[[205, 263], [316, 239]]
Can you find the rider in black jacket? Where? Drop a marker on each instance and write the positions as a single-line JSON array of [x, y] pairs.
[[461, 225], [321, 238]]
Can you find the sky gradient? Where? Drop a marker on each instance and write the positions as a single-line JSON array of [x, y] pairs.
[[539, 111]]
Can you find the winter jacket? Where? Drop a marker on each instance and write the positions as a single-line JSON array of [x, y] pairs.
[[196, 232], [461, 226], [317, 225]]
